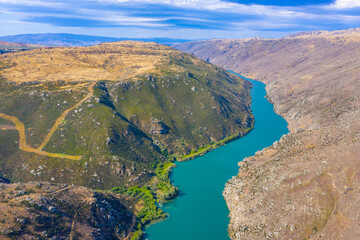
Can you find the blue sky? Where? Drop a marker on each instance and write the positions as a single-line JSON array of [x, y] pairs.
[[188, 19]]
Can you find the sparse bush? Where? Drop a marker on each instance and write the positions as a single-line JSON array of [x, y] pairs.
[[137, 235]]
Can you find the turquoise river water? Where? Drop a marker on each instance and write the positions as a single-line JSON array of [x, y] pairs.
[[200, 211]]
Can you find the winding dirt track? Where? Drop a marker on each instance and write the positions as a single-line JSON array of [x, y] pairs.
[[64, 114], [19, 126]]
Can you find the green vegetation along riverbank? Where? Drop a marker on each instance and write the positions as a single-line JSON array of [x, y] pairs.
[[202, 150]]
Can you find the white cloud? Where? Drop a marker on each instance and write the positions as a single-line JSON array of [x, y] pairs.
[[31, 3], [275, 20], [194, 4], [119, 18], [264, 11], [342, 4], [223, 5], [213, 5]]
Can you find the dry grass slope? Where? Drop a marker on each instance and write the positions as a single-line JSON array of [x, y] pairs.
[[120, 61]]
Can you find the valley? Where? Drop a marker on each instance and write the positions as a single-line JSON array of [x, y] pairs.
[[179, 120], [114, 117], [305, 186], [201, 181]]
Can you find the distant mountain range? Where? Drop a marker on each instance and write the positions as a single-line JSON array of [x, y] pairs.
[[65, 39]]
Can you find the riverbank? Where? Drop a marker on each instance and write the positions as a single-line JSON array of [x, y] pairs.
[[202, 150], [161, 190]]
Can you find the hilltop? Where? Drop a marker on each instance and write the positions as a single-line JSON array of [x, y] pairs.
[[306, 185], [120, 61]]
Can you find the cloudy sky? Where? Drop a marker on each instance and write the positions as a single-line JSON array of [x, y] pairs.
[[187, 19]]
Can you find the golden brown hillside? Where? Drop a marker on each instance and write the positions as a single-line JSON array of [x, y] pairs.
[[117, 61]]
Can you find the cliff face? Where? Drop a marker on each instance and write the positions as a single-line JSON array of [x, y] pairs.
[[305, 186]]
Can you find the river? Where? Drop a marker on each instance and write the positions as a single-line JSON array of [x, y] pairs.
[[200, 211]]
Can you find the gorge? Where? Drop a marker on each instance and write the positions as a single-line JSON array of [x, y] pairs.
[[307, 185]]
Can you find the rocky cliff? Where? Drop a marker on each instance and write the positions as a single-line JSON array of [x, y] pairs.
[[306, 186]]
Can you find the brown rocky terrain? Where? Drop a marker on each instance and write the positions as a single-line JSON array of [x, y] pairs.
[[306, 186], [39, 210]]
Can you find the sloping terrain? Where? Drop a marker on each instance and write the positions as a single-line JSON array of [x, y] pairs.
[[38, 210], [108, 115], [306, 186]]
